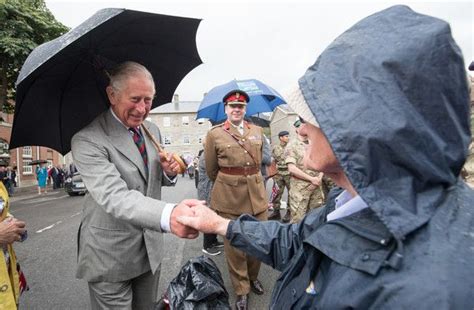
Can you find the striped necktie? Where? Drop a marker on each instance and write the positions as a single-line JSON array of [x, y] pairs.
[[140, 143]]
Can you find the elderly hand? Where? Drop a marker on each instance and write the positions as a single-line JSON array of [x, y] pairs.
[[168, 164], [205, 220], [11, 230], [184, 208]]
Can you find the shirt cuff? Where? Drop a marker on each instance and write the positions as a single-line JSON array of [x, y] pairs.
[[172, 179], [166, 217]]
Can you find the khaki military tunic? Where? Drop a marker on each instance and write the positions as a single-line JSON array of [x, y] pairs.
[[303, 195], [234, 195]]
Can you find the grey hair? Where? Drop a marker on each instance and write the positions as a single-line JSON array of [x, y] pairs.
[[120, 73]]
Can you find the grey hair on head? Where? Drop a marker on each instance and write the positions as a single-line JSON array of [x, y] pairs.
[[120, 73]]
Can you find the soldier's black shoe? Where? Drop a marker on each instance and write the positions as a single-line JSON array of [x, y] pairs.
[[274, 216], [218, 244], [287, 217], [211, 251], [241, 303], [257, 287]]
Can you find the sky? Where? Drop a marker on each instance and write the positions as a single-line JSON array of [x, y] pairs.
[[272, 41]]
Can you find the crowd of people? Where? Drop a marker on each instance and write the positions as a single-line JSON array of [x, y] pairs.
[[8, 177], [383, 123], [56, 176]]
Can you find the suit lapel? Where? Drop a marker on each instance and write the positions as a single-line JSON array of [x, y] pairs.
[[122, 140]]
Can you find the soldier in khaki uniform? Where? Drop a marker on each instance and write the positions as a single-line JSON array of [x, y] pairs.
[[282, 178], [233, 154], [305, 184]]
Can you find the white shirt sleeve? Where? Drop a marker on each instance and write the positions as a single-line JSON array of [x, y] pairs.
[[166, 217]]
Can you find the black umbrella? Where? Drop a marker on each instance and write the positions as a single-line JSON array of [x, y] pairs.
[[61, 86], [38, 162]]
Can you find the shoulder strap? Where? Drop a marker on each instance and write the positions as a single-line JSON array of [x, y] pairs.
[[241, 144]]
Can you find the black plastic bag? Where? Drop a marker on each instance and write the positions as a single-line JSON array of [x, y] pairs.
[[198, 285]]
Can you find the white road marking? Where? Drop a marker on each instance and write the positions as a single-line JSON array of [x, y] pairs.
[[48, 227], [76, 214], [43, 199]]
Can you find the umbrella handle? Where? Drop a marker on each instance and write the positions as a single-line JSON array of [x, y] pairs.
[[162, 152]]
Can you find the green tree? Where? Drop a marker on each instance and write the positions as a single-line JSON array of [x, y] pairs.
[[24, 24]]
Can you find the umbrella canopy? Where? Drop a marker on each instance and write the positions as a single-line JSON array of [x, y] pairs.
[[61, 86], [263, 98], [38, 162], [259, 120]]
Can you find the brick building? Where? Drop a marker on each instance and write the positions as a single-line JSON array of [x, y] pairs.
[[21, 157], [181, 133]]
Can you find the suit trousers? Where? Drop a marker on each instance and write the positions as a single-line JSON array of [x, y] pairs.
[[242, 268], [137, 293]]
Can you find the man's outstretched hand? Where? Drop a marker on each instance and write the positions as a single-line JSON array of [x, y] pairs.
[[184, 208], [204, 220]]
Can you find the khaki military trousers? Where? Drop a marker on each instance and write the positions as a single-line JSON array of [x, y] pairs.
[[242, 268], [303, 199], [282, 182]]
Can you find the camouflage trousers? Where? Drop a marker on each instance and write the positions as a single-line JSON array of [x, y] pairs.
[[303, 197], [282, 182]]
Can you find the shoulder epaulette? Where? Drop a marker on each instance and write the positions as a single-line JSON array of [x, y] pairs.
[[218, 125]]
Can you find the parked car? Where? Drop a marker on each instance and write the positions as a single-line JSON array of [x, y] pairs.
[[74, 185]]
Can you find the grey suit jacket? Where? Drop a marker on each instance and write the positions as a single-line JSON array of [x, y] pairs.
[[120, 234]]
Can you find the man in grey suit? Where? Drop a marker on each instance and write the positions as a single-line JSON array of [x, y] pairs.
[[120, 238]]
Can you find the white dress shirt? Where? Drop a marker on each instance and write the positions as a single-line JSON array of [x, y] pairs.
[[346, 205]]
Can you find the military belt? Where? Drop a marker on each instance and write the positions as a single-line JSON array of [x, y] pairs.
[[240, 170]]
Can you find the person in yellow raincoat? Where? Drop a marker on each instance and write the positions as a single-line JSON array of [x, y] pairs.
[[11, 230]]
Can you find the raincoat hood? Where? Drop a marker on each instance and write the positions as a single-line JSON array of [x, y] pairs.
[[391, 96]]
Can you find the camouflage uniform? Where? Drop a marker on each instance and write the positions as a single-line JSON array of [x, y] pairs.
[[282, 178], [326, 185], [468, 169], [303, 195]]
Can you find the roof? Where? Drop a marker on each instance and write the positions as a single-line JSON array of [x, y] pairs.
[[180, 107], [286, 108]]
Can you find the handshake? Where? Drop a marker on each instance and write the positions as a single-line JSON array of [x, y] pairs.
[[192, 216]]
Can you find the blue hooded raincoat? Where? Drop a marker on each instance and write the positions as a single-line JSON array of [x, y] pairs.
[[391, 96]]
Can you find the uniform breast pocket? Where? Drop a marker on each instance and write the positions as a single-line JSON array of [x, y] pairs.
[[256, 147]]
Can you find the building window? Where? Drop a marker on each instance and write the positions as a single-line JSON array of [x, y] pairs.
[[185, 120], [201, 121], [27, 168], [186, 140], [4, 153], [3, 146], [166, 121], [27, 151], [166, 140]]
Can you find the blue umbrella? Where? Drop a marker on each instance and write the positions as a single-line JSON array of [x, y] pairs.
[[263, 98]]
